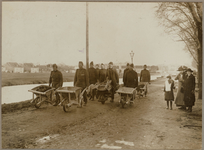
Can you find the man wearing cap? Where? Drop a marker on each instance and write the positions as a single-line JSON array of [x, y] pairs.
[[131, 78], [102, 73], [56, 80], [113, 76], [189, 90], [126, 69], [97, 72], [92, 74], [81, 80], [145, 76], [97, 77]]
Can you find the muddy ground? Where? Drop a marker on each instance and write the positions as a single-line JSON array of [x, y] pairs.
[[147, 124]]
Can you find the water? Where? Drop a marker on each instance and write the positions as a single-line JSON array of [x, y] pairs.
[[11, 94]]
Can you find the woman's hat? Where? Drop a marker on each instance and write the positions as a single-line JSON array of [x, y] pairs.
[[168, 77], [185, 68], [180, 68], [189, 69]]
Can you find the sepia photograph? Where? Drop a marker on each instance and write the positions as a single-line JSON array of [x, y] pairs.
[[101, 75]]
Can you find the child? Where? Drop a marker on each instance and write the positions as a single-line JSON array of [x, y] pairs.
[[168, 89]]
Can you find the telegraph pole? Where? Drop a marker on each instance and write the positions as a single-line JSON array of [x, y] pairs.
[[87, 37]]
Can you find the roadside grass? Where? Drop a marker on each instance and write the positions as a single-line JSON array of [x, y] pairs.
[[9, 79]]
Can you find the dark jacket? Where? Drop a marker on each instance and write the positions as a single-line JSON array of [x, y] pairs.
[[81, 78], [56, 79], [124, 75], [92, 75], [131, 79], [144, 76], [189, 87], [102, 75], [97, 74], [113, 76]]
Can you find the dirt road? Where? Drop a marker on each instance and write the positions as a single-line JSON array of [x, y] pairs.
[[145, 125]]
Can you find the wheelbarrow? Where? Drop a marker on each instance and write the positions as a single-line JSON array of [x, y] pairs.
[[41, 94], [103, 91], [126, 94], [70, 96]]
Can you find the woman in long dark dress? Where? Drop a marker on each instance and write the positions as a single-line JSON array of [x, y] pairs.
[[179, 100], [189, 90]]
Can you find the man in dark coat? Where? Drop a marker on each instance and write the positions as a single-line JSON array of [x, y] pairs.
[[145, 76], [113, 76], [189, 90], [131, 77], [126, 69], [102, 73], [56, 80], [81, 80], [97, 72], [92, 73]]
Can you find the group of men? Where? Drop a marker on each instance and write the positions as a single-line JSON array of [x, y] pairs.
[[83, 78]]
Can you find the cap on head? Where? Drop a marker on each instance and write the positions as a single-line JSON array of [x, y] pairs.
[[145, 65], [91, 63], [111, 63], [132, 65], [54, 65], [168, 77], [80, 62], [102, 64]]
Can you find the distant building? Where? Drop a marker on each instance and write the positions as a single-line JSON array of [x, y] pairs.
[[34, 70], [18, 70], [3, 69], [10, 66]]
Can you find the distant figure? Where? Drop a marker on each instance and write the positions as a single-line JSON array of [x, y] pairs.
[[145, 77], [126, 69], [92, 74], [169, 94], [102, 74], [113, 76], [56, 80], [81, 80], [189, 90], [179, 100]]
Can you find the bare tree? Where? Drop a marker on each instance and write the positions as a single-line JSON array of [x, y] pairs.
[[184, 19]]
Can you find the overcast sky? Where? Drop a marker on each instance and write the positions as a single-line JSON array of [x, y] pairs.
[[55, 32]]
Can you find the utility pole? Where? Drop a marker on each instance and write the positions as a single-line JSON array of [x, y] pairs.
[[87, 37], [132, 55]]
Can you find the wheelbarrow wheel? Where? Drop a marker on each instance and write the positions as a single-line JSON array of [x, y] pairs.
[[65, 106], [123, 102], [37, 100]]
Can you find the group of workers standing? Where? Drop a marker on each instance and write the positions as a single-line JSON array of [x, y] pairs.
[[185, 97], [83, 78]]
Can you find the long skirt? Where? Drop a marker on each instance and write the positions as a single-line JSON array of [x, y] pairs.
[[179, 100], [189, 99], [169, 96]]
